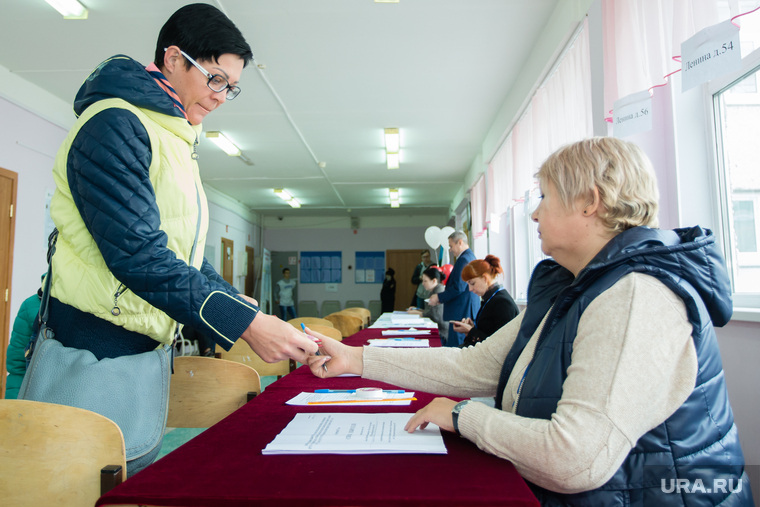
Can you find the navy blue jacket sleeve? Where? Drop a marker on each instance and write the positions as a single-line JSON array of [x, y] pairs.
[[107, 171]]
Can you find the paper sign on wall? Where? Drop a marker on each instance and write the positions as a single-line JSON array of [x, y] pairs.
[[710, 53], [632, 114]]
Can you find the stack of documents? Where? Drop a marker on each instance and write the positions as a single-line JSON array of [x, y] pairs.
[[411, 332], [399, 342], [347, 398], [325, 433]]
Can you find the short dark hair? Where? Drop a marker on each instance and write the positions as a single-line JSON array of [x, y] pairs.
[[433, 273], [285, 269], [203, 32]]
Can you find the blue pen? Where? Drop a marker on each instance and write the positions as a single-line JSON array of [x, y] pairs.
[[405, 338], [303, 328], [322, 391]]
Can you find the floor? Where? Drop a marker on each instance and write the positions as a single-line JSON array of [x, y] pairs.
[[175, 437]]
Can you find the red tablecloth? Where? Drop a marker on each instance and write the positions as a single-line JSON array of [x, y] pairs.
[[224, 466]]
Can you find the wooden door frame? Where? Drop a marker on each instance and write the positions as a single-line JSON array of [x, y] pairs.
[[231, 243], [7, 276], [403, 279]]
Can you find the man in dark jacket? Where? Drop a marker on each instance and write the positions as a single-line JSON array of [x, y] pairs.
[[458, 302]]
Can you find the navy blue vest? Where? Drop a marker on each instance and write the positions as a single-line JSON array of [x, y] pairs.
[[675, 463]]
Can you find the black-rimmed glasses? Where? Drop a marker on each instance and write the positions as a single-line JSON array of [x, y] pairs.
[[216, 82]]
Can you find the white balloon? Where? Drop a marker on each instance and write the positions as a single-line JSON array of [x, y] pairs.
[[433, 236], [445, 233]]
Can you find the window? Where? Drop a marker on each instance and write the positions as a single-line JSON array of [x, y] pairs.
[[736, 111]]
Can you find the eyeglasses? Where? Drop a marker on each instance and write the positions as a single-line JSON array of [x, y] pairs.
[[216, 82]]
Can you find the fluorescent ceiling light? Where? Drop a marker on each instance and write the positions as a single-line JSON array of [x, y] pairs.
[[392, 142], [225, 144], [69, 9], [392, 159], [283, 194], [386, 1], [294, 203], [393, 196]]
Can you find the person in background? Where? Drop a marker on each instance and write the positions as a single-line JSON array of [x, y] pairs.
[[458, 302], [420, 294], [609, 386], [24, 327], [431, 281], [285, 295], [496, 308], [388, 292], [131, 211]]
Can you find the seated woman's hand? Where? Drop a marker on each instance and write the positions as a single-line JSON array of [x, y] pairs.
[[337, 358], [414, 310], [437, 412], [461, 326]]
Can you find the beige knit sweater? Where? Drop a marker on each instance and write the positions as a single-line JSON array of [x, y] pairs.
[[633, 364]]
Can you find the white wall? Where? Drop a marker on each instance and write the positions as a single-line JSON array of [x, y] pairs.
[[28, 145], [343, 239]]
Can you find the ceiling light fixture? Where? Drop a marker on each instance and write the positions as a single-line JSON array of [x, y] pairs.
[[393, 196], [287, 197], [392, 160], [224, 143], [392, 147], [69, 9]]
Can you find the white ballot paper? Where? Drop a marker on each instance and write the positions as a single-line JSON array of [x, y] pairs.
[[411, 332], [326, 433], [411, 320], [343, 398], [399, 342]]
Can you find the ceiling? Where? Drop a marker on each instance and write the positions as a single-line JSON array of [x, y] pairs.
[[328, 76]]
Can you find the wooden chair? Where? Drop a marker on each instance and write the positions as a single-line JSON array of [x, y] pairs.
[[375, 309], [205, 390], [57, 455], [308, 309], [309, 321], [328, 331], [345, 323], [241, 352], [362, 313], [330, 306]]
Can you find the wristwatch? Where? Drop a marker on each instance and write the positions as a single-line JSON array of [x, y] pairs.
[[455, 414]]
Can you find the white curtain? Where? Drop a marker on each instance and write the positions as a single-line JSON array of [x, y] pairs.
[[558, 113], [478, 207], [642, 40]]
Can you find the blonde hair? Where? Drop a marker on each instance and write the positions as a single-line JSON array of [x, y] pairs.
[[620, 171]]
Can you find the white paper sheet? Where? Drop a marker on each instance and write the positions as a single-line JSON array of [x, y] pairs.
[[348, 399], [411, 332], [400, 342], [353, 433]]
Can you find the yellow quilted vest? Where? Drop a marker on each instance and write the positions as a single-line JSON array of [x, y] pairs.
[[80, 276]]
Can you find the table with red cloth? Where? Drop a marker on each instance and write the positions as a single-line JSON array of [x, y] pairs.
[[223, 466]]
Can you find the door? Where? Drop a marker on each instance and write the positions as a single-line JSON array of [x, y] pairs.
[[249, 277], [8, 186], [403, 263], [228, 258]]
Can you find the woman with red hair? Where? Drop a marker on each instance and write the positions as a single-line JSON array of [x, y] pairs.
[[496, 308]]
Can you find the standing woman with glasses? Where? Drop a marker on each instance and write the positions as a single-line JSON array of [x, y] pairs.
[[128, 268], [496, 305]]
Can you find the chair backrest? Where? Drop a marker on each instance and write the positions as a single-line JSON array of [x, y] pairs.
[[241, 352], [205, 390], [375, 308], [362, 313], [55, 454], [308, 309], [328, 331], [309, 321], [330, 306], [345, 323], [354, 303]]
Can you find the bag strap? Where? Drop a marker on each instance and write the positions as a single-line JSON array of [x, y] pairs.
[[42, 315]]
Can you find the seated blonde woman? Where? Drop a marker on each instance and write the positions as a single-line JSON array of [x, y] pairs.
[[609, 386]]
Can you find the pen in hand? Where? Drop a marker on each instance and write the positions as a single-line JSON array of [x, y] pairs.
[[319, 344]]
